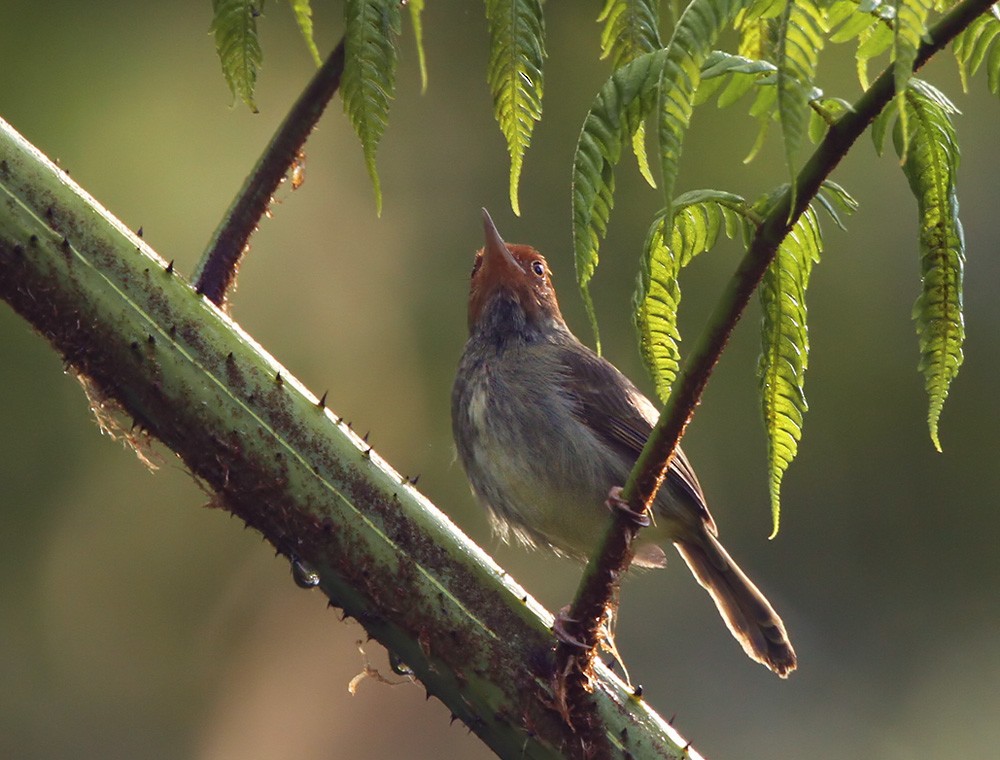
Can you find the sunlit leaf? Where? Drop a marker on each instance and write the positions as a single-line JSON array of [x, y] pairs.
[[930, 166], [303, 17], [514, 72], [801, 34], [416, 8], [621, 105], [631, 28], [785, 349], [699, 217], [979, 42], [909, 29], [369, 80], [234, 25]]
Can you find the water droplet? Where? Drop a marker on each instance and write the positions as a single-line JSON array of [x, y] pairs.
[[398, 666], [305, 576]]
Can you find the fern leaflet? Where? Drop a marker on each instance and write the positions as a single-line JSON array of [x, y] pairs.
[[369, 79], [517, 50], [234, 25], [930, 165]]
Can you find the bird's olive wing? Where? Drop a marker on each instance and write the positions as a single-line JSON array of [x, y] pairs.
[[611, 406]]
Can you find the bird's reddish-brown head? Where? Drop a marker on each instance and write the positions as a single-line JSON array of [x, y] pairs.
[[517, 271]]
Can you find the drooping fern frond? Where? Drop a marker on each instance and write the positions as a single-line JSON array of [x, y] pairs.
[[801, 33], [785, 349], [631, 28], [699, 217], [978, 43], [517, 51], [909, 29], [621, 105], [234, 25], [872, 42], [930, 166], [303, 17], [369, 79]]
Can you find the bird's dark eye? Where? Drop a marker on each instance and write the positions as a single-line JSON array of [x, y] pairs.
[[538, 268], [476, 264]]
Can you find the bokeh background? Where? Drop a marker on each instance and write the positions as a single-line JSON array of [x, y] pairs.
[[135, 622]]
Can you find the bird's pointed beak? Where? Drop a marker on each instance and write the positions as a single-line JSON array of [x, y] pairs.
[[497, 256]]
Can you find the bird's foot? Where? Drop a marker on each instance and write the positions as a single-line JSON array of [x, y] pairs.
[[561, 628], [615, 502]]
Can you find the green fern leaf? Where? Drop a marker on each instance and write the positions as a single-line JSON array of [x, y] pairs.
[[303, 17], [801, 33], [698, 219], [785, 349], [881, 124], [977, 42], [698, 28], [416, 8], [909, 29], [874, 41], [234, 24], [840, 197], [517, 50], [369, 79], [848, 21], [739, 74], [930, 166], [621, 105], [631, 28]]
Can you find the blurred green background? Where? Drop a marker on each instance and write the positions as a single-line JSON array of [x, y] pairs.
[[135, 622]]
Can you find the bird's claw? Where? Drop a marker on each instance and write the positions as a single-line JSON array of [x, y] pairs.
[[616, 502], [561, 626]]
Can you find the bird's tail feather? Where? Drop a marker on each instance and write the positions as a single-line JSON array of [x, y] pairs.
[[750, 617]]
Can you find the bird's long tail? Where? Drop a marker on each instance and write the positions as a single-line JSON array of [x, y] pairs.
[[750, 617]]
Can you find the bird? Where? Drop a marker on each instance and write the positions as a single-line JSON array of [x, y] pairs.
[[545, 428]]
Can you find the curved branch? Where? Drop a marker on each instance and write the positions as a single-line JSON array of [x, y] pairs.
[[217, 269], [599, 585]]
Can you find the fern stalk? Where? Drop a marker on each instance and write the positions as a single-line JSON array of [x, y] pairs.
[[604, 570]]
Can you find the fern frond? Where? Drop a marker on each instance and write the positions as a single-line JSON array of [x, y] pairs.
[[802, 30], [909, 30], [977, 42], [737, 73], [303, 17], [369, 79], [517, 50], [930, 166], [234, 25], [631, 28], [698, 28], [848, 19], [872, 42], [785, 349], [416, 8], [699, 217], [621, 105]]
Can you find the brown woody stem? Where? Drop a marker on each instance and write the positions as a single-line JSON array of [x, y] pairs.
[[217, 269]]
